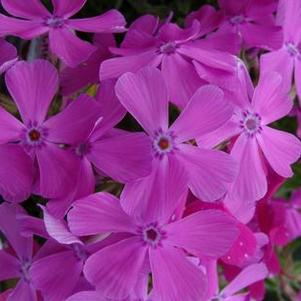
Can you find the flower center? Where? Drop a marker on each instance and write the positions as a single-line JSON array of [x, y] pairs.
[[237, 19], [83, 149], [79, 252], [163, 143], [55, 22], [292, 49], [34, 135], [152, 235], [168, 48], [251, 123], [24, 269]]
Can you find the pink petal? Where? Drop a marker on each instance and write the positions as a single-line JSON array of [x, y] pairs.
[[10, 227], [281, 149], [200, 233], [32, 86], [115, 67], [98, 213], [11, 127], [174, 69], [57, 229], [16, 173], [205, 112], [57, 169], [225, 132], [68, 47], [74, 124], [209, 171], [251, 183], [32, 9], [23, 291], [8, 55], [247, 276], [21, 28], [87, 296], [298, 78], [144, 95], [111, 21], [155, 197], [175, 277], [211, 58], [124, 158], [114, 270], [67, 8], [262, 36], [269, 94], [279, 61], [56, 275], [9, 266]]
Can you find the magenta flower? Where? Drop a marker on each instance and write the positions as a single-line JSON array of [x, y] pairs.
[[33, 86], [157, 242], [257, 142], [8, 55], [174, 50], [34, 20], [15, 263], [74, 79], [253, 20], [145, 96], [286, 60], [121, 155]]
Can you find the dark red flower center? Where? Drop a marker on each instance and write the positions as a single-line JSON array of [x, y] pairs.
[[151, 234], [164, 143], [34, 135]]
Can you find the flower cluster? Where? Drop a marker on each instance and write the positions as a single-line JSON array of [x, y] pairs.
[[152, 165]]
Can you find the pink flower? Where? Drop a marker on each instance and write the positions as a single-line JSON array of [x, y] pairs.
[[33, 86], [8, 55], [286, 59], [33, 20], [208, 172], [174, 50], [256, 142], [253, 20], [156, 242]]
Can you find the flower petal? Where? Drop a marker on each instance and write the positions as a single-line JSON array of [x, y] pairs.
[[68, 47], [67, 8], [209, 171], [31, 9], [174, 69], [111, 21], [175, 277], [144, 95], [98, 213], [200, 233], [250, 183], [9, 266], [281, 149], [16, 173], [56, 275], [74, 124], [32, 86], [114, 270], [23, 291], [206, 111], [8, 55], [87, 296], [269, 94]]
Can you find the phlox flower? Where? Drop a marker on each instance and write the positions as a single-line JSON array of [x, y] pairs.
[[8, 55], [33, 20], [257, 144], [16, 259], [253, 20], [121, 155], [286, 60], [174, 50], [33, 86], [157, 242], [144, 95]]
